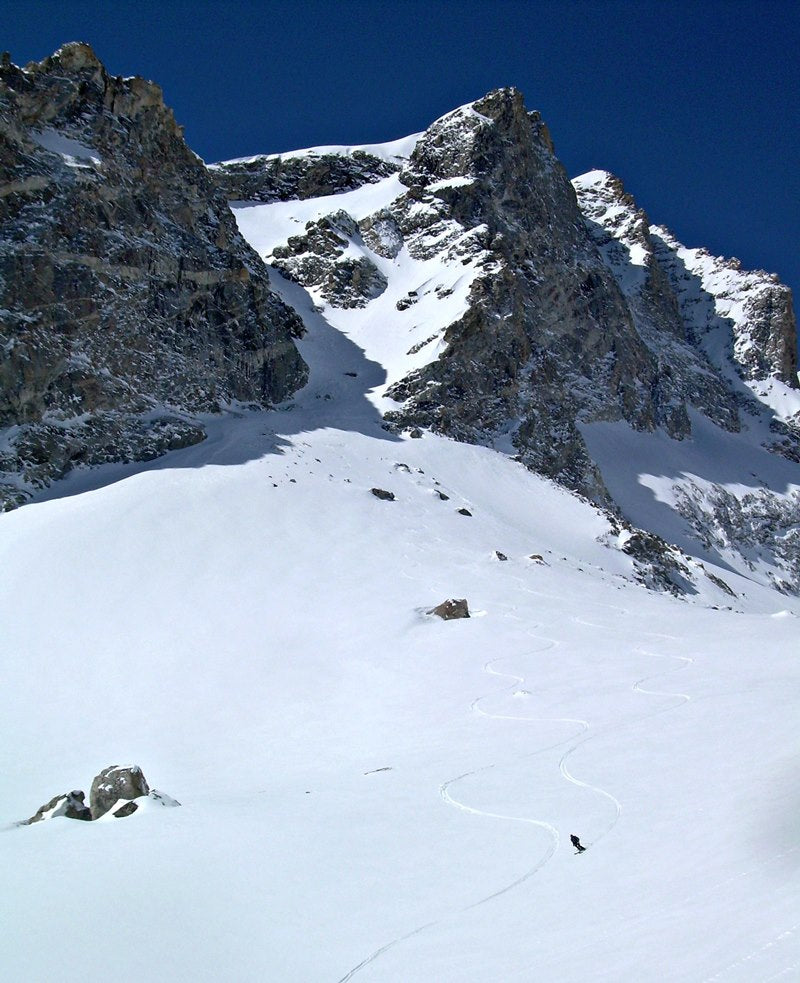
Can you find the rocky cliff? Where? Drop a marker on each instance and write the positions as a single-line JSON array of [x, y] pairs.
[[299, 176], [129, 302], [514, 307], [577, 310]]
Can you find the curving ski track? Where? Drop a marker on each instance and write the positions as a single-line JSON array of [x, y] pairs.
[[568, 776]]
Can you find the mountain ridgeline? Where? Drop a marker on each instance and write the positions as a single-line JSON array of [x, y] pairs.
[[132, 304]]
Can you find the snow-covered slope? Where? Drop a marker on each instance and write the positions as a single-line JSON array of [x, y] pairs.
[[369, 792]]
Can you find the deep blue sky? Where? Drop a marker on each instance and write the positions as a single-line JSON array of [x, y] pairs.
[[695, 105]]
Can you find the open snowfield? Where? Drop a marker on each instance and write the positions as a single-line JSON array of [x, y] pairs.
[[368, 792]]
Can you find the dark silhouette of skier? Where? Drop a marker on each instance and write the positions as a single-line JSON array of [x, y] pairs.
[[577, 844]]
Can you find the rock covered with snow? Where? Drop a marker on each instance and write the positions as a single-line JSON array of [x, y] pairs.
[[116, 792], [548, 339], [723, 315], [452, 609], [321, 258], [114, 783], [70, 805], [284, 177], [125, 285]]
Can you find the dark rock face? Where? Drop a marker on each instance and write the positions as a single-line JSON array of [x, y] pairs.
[[298, 176], [127, 810], [317, 259], [125, 285], [548, 337], [451, 609], [658, 565], [70, 805], [113, 783], [567, 308], [574, 316]]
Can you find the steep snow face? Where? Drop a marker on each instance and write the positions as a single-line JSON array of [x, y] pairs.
[[424, 268], [249, 623]]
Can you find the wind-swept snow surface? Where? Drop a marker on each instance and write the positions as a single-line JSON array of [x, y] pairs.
[[369, 792]]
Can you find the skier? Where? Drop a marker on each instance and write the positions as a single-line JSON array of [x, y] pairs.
[[577, 844]]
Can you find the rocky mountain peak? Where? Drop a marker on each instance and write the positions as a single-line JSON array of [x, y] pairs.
[[712, 294], [494, 140], [532, 313], [74, 56], [454, 145], [125, 284]]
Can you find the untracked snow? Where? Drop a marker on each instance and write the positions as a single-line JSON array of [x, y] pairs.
[[369, 792]]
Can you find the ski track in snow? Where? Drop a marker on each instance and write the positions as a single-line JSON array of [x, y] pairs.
[[444, 789], [755, 953], [684, 698], [385, 948], [445, 794]]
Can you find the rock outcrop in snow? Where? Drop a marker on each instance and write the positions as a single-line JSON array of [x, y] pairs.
[[114, 783], [129, 299], [70, 805], [452, 609], [320, 258], [284, 177], [114, 792]]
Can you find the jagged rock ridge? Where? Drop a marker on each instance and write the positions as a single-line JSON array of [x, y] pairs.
[[572, 311], [129, 301], [299, 176]]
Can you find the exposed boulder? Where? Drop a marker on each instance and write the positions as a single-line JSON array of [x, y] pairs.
[[112, 793], [124, 810], [451, 609], [114, 783], [382, 494], [70, 805]]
